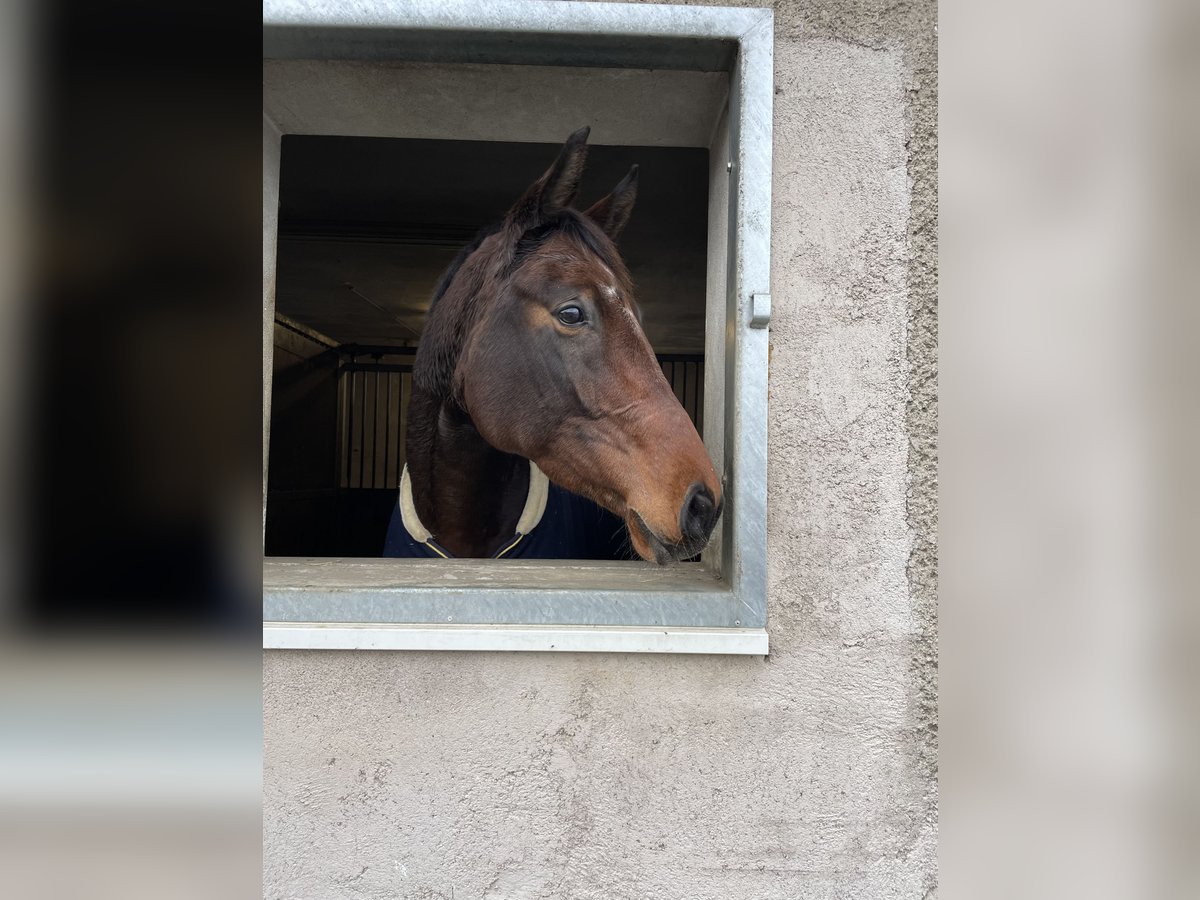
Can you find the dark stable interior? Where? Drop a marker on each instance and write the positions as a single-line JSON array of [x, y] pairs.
[[366, 227]]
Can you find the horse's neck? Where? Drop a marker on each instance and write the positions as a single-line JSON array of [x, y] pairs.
[[466, 492]]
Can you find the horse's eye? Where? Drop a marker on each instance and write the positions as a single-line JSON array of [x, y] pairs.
[[570, 315]]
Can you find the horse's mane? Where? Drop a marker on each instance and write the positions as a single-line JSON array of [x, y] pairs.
[[460, 258]]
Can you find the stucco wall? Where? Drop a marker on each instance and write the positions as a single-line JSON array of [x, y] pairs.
[[808, 774]]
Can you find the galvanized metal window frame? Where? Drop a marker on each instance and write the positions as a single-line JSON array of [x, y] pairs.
[[717, 606]]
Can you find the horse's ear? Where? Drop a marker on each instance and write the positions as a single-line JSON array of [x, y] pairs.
[[557, 186], [613, 211]]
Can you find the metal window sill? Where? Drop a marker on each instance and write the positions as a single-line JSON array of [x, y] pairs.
[[525, 638]]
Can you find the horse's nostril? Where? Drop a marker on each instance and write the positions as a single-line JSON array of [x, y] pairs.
[[698, 514]]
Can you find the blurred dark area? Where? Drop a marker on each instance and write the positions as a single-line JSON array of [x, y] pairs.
[[138, 434], [130, 530]]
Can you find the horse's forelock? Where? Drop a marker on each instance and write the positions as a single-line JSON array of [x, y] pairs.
[[580, 230]]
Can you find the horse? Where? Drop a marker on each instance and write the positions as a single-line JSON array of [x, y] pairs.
[[540, 423]]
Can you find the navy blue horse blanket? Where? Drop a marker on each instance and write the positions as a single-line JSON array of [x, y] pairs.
[[555, 524]]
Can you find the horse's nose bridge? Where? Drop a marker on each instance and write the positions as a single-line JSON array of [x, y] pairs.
[[672, 455], [664, 453]]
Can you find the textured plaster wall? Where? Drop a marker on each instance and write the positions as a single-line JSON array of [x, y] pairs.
[[809, 774]]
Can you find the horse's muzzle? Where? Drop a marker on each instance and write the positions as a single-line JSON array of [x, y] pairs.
[[697, 518]]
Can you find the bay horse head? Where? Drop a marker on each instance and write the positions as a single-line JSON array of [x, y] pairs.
[[535, 341]]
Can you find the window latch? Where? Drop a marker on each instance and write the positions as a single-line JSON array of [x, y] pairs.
[[760, 310]]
